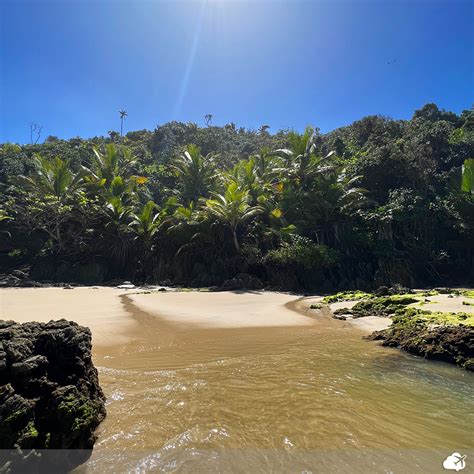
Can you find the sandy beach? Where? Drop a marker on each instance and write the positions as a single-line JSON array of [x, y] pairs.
[[102, 309], [98, 308]]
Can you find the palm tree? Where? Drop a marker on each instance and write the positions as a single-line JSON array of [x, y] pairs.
[[114, 162], [145, 224], [196, 173], [232, 209], [52, 177], [117, 233], [123, 114], [54, 187], [299, 158]]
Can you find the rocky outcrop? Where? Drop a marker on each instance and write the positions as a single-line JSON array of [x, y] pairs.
[[454, 344], [381, 306], [242, 281], [50, 398], [18, 278]]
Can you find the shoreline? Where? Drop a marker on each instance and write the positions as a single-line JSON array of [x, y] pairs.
[[104, 310]]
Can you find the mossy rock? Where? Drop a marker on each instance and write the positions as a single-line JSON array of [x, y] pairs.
[[382, 306], [75, 419], [50, 398], [447, 337], [347, 296]]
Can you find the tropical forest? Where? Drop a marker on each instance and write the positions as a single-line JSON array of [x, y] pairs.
[[378, 202]]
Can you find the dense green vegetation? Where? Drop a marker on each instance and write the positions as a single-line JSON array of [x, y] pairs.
[[379, 202]]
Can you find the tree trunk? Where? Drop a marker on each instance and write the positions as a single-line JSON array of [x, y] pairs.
[[236, 241]]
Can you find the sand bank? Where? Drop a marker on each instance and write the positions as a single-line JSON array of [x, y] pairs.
[[102, 310], [227, 309]]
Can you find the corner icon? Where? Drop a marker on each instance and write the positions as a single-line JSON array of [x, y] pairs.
[[455, 462]]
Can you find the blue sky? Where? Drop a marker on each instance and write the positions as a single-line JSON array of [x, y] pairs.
[[71, 65]]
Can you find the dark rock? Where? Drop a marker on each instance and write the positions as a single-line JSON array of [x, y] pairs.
[[392, 290], [162, 289], [29, 367], [20, 274], [454, 344], [31, 284], [382, 291], [243, 281], [9, 280], [444, 291], [50, 398]]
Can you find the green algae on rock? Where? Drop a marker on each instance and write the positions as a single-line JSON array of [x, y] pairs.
[[346, 296], [442, 336], [50, 398], [381, 306]]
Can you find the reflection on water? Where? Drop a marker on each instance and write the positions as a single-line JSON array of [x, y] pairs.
[[314, 399]]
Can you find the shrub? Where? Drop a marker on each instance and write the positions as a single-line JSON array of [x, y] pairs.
[[302, 252]]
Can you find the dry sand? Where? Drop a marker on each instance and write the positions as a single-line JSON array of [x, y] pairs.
[[445, 304], [99, 309], [227, 309]]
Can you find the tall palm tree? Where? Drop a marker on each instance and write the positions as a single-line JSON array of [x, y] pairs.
[[123, 114], [232, 209]]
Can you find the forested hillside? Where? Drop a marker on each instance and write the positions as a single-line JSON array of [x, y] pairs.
[[378, 202]]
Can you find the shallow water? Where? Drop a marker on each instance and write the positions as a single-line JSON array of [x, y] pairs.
[[304, 399]]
